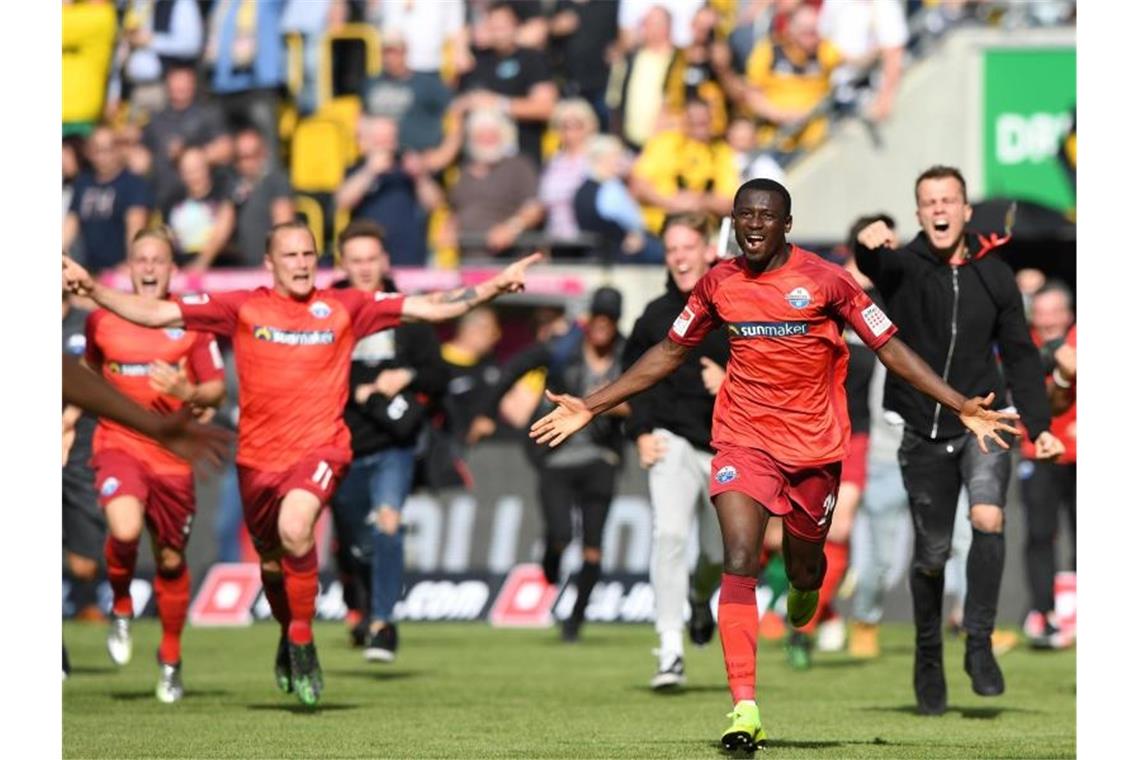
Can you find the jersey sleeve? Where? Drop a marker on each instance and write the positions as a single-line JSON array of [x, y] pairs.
[[698, 318], [856, 308], [205, 359], [371, 312], [215, 313]]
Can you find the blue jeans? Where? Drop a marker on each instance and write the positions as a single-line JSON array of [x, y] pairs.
[[382, 479]]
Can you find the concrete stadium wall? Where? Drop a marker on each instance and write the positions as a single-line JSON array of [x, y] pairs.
[[937, 119]]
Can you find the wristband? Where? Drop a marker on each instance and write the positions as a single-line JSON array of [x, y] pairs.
[[1059, 381]]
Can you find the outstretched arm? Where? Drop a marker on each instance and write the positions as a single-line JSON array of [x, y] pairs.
[[574, 413], [982, 422], [148, 312], [451, 304]]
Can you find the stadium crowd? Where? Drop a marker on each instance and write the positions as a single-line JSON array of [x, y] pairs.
[[435, 134]]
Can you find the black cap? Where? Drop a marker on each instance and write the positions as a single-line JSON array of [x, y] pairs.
[[606, 302]]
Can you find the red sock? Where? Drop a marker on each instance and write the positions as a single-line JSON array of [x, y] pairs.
[[738, 623], [274, 587], [121, 556], [836, 555], [301, 589], [173, 597]]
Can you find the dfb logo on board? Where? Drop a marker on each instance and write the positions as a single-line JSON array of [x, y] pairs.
[[226, 594], [525, 599]]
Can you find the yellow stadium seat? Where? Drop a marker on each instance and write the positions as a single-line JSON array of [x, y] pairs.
[[314, 214], [364, 34], [340, 221], [345, 110], [318, 157]]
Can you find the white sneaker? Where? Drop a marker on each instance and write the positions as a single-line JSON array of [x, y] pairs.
[[169, 689], [670, 671], [832, 635], [119, 640]]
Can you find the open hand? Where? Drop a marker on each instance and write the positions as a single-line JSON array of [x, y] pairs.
[[986, 423], [570, 417], [171, 380]]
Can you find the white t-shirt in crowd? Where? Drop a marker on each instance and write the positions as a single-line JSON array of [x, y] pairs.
[[681, 11], [860, 27], [425, 24]]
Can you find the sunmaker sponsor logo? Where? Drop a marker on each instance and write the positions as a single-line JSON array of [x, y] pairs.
[[766, 329], [293, 337]]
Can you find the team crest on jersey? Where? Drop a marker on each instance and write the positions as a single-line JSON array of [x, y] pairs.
[[798, 298], [174, 333], [726, 474], [77, 344], [196, 299], [110, 485], [320, 309]]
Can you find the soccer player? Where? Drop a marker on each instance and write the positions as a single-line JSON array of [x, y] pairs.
[[780, 427], [138, 481], [293, 346]]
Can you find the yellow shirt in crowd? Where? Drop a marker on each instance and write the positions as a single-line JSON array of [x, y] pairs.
[[671, 162], [790, 79], [88, 37]]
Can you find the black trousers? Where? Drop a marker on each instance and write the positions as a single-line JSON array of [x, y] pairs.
[[1047, 489], [587, 487]]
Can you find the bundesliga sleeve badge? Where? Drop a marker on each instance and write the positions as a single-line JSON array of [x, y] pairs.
[[877, 322]]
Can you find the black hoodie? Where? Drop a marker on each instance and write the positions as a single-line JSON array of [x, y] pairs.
[[679, 403], [954, 317]]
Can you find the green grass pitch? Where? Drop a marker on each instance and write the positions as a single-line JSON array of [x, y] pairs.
[[469, 691]]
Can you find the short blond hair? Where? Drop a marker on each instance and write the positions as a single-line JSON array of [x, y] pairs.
[[575, 107]]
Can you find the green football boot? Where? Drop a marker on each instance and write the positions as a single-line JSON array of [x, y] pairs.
[[801, 606], [745, 734]]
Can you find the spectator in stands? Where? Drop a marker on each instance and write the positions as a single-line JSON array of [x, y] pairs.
[[1029, 281], [632, 14], [392, 189], [514, 80], [639, 79], [864, 32], [1049, 487], [311, 20], [183, 123], [88, 41], [495, 198], [261, 196], [685, 170], [604, 207], [430, 28], [72, 155], [245, 53], [416, 100], [786, 78], [201, 213], [585, 34], [156, 35], [691, 74], [751, 161], [108, 205], [564, 173]]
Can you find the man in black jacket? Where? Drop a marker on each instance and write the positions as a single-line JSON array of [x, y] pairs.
[[672, 425], [952, 301], [396, 375]]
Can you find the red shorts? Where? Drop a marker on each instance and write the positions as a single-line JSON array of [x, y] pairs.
[[168, 499], [803, 496], [319, 473], [855, 465]]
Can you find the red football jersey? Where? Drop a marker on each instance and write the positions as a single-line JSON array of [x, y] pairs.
[[293, 360], [122, 352], [783, 391]]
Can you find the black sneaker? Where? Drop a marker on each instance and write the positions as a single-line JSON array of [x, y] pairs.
[[985, 675], [358, 635], [929, 683], [305, 670], [282, 671], [381, 646], [701, 622], [1050, 637], [570, 628], [66, 663]]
